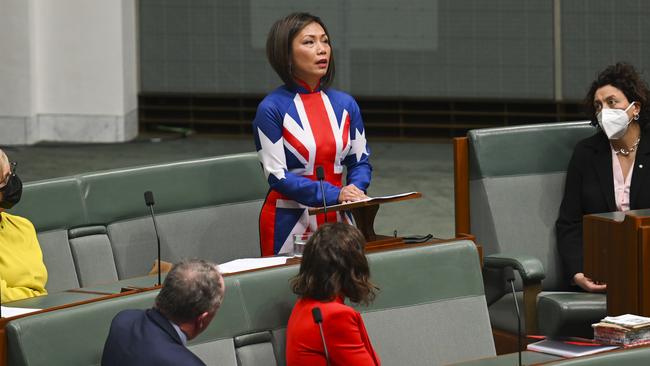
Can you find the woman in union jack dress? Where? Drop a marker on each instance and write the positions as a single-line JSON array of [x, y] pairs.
[[303, 125]]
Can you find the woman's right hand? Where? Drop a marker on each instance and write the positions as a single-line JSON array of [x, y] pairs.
[[588, 284], [351, 193]]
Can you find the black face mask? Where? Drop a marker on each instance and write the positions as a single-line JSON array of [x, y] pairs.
[[11, 192]]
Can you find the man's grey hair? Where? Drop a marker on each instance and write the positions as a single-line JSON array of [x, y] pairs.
[[191, 288]]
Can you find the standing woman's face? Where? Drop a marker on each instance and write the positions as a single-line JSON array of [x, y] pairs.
[[310, 54]]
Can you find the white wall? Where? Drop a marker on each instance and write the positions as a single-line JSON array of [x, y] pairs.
[[130, 55], [69, 69], [15, 92], [15, 70]]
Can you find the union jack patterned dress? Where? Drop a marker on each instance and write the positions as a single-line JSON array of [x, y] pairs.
[[296, 131]]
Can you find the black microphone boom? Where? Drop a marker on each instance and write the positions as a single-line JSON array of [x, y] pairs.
[[509, 276], [148, 200], [318, 319], [320, 175]]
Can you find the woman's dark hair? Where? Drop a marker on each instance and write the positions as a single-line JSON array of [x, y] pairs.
[[279, 41], [624, 77], [334, 263]]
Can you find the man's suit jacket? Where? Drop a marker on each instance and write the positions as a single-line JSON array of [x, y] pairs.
[[143, 338], [345, 335], [589, 189]]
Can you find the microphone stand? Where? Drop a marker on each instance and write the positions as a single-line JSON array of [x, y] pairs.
[[510, 277], [320, 175], [318, 319], [155, 227], [148, 199]]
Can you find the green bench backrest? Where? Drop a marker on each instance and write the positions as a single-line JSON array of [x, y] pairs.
[[516, 187], [96, 228], [105, 197]]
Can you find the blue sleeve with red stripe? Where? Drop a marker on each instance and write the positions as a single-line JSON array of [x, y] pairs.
[[268, 121], [359, 170]]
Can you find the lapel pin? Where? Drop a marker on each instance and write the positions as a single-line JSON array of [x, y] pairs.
[[640, 166]]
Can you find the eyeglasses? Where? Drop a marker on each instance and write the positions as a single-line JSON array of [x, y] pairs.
[[12, 172]]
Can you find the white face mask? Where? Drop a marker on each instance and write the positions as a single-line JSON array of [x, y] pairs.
[[614, 121]]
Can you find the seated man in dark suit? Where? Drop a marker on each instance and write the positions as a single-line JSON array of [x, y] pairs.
[[190, 296]]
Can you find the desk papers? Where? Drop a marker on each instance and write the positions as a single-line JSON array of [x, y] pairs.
[[568, 349], [8, 312], [247, 264]]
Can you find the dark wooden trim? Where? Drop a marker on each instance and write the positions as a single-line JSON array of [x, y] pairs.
[[505, 342], [531, 290], [644, 268], [80, 291], [461, 185], [618, 253]]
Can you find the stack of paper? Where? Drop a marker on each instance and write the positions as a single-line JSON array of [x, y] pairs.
[[625, 330]]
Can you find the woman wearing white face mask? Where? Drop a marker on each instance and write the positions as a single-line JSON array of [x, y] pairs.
[[609, 170]]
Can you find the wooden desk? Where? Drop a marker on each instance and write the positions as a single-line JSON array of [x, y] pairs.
[[617, 252]]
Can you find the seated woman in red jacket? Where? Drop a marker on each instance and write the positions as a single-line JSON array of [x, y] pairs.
[[334, 267]]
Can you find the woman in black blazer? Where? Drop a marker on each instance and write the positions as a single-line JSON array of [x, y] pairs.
[[608, 171]]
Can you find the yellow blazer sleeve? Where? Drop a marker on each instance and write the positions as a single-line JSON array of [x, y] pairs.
[[22, 271]]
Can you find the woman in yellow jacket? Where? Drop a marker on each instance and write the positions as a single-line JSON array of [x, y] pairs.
[[22, 272]]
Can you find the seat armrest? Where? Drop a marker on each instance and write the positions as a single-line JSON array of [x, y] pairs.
[[530, 268], [532, 273]]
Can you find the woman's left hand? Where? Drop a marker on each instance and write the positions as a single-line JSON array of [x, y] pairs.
[[351, 193]]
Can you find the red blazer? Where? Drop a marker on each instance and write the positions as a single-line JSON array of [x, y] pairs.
[[345, 335]]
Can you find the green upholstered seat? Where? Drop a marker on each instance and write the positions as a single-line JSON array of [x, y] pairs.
[[516, 187]]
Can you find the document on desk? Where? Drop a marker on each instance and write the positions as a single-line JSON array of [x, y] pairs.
[[246, 264], [8, 312], [568, 348], [378, 199]]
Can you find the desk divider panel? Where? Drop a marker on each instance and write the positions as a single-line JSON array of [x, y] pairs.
[[57, 256]]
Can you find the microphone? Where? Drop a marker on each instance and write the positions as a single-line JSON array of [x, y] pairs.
[[148, 200], [509, 276], [318, 319], [320, 175]]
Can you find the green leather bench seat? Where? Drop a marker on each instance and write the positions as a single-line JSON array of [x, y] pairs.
[[95, 228], [527, 358], [570, 312], [516, 186], [430, 311], [630, 357]]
